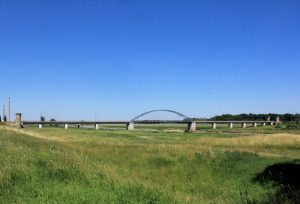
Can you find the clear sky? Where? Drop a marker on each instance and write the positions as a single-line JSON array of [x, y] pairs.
[[71, 59]]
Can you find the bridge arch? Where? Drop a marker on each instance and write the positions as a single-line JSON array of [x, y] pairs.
[[184, 117]]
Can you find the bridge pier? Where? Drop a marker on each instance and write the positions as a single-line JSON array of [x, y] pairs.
[[19, 120], [214, 126], [244, 125], [191, 126], [263, 124], [40, 126], [97, 126], [130, 126], [66, 126], [277, 120], [230, 125], [254, 124]]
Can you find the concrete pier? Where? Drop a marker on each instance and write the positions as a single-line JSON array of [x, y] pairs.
[[254, 124], [214, 126], [130, 126], [40, 126], [272, 123], [230, 125], [191, 126], [244, 125], [66, 126], [263, 124], [19, 120], [97, 126], [277, 120]]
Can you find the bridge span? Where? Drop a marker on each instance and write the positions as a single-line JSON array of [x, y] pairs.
[[191, 125], [142, 119]]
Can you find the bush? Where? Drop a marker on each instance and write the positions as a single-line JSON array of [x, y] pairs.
[[292, 125], [53, 120], [279, 126]]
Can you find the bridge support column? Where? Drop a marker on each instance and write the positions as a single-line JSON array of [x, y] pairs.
[[191, 126], [214, 126], [230, 125], [97, 126], [263, 124], [277, 120], [40, 126], [77, 126], [130, 126], [254, 124], [271, 123], [19, 120], [66, 126], [244, 125]]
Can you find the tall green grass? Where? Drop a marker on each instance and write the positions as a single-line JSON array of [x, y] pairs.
[[34, 171], [108, 167]]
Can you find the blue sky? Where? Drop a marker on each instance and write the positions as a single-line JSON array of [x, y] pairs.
[[73, 59]]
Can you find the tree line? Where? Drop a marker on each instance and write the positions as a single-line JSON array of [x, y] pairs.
[[244, 116]]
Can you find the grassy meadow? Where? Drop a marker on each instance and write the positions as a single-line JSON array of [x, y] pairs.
[[152, 164]]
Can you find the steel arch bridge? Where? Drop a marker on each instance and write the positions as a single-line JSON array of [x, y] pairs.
[[163, 113]]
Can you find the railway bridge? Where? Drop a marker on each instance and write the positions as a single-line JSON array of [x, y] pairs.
[[162, 116]]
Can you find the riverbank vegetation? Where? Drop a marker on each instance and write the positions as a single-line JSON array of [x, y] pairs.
[[54, 165]]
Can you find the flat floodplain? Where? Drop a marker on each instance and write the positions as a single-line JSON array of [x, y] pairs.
[[152, 164]]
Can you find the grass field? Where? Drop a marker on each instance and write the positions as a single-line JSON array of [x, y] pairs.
[[152, 164]]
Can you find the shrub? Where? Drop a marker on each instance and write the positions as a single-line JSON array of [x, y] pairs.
[[292, 125], [53, 120]]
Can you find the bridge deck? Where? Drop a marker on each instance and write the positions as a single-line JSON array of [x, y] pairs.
[[140, 122]]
